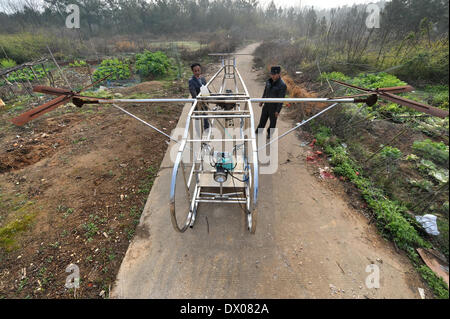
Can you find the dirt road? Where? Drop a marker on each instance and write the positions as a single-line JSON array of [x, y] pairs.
[[309, 242]]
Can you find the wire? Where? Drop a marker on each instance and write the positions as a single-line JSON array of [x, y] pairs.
[[235, 155], [243, 181], [211, 155], [244, 209]]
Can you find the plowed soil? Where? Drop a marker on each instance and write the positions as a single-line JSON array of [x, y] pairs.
[[72, 187]]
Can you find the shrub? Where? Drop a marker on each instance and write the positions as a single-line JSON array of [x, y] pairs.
[[25, 75], [438, 95], [152, 64], [334, 76], [394, 111], [119, 69], [390, 153], [427, 66], [125, 46], [24, 47], [7, 63], [78, 63], [437, 152], [422, 184], [378, 80], [323, 135], [436, 283], [428, 167], [390, 214]]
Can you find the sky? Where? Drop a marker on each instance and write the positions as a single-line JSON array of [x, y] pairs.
[[318, 4]]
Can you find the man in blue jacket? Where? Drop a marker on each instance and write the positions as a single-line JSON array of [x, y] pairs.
[[275, 88], [195, 83]]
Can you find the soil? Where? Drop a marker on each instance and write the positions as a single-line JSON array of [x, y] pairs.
[[83, 175], [146, 87]]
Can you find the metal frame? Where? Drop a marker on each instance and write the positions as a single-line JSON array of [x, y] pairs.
[[199, 186], [196, 191]]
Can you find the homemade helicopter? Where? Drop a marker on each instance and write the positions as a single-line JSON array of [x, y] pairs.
[[210, 173]]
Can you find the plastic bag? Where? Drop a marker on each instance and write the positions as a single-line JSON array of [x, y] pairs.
[[204, 90], [428, 222]]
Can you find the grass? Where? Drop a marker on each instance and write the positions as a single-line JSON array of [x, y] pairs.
[[438, 152], [436, 283], [55, 245], [147, 183], [130, 233], [428, 168], [19, 215], [67, 211], [389, 214], [24, 47], [391, 217], [17, 105], [443, 239], [435, 95], [79, 140], [23, 282], [7, 63], [189, 45], [90, 229], [9, 232], [45, 277]]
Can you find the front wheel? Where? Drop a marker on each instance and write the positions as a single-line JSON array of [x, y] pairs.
[[251, 220]]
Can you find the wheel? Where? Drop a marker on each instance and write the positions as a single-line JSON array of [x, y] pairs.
[[250, 213], [194, 214], [251, 221], [182, 202]]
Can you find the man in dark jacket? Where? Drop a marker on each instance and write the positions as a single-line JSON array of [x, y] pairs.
[[195, 83], [275, 88]]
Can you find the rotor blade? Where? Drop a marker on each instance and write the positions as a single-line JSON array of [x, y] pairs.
[[394, 89], [386, 93], [94, 83], [414, 104], [353, 96], [57, 91], [397, 89], [51, 90], [38, 111], [353, 86], [227, 54]]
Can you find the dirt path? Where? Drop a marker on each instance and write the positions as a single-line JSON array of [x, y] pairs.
[[309, 242]]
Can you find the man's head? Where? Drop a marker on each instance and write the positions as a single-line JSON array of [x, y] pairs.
[[196, 69], [275, 72]]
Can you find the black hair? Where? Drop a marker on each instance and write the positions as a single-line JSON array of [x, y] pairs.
[[194, 65]]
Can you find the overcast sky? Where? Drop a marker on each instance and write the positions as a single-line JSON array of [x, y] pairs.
[[319, 4]]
